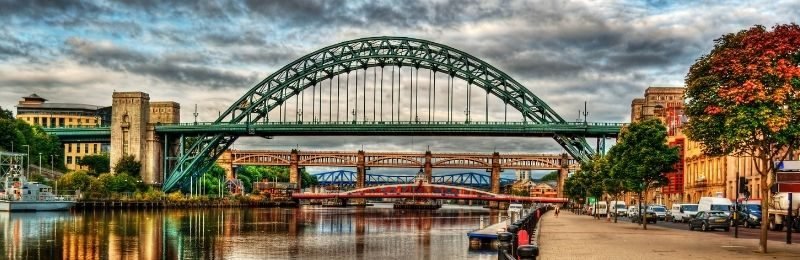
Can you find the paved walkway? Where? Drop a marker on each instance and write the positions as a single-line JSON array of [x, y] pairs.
[[580, 237]]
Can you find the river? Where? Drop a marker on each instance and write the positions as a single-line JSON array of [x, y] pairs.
[[309, 232]]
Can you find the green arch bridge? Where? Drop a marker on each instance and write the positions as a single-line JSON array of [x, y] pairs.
[[377, 86]]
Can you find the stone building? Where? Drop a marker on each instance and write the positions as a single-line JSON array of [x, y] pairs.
[[35, 110], [133, 123], [696, 174], [666, 104]]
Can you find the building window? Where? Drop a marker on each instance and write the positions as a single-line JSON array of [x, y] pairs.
[[69, 159], [35, 120], [77, 148], [69, 149], [77, 160], [86, 148], [94, 148], [70, 120], [61, 122]]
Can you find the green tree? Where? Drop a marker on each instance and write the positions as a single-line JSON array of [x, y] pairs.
[[6, 114], [552, 176], [118, 183], [75, 181], [24, 137], [128, 164], [744, 99], [97, 163], [213, 181], [642, 152], [249, 174], [615, 179]]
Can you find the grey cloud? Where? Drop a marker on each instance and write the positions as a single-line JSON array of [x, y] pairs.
[[121, 59]]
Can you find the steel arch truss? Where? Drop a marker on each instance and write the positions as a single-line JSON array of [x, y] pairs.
[[358, 54]]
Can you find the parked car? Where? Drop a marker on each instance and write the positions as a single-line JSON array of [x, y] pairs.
[[683, 212], [660, 211], [707, 220], [649, 216], [748, 215]]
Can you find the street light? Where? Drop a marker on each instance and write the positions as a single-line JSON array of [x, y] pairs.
[[28, 168], [40, 164]]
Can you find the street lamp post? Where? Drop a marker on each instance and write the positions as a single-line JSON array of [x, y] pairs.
[[28, 166], [40, 164]]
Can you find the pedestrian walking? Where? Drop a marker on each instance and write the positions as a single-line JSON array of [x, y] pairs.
[[557, 210]]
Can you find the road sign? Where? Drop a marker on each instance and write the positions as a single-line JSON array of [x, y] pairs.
[[592, 200], [788, 187], [784, 177], [788, 166]]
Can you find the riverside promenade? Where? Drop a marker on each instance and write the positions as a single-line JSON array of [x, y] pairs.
[[573, 236]]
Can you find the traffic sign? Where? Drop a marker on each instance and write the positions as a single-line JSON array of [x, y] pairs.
[[784, 177], [788, 166]]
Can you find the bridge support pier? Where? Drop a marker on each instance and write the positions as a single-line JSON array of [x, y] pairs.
[[294, 169], [361, 175], [562, 174], [428, 166], [226, 162], [495, 178]]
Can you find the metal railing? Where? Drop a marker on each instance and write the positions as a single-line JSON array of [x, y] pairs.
[[508, 247]]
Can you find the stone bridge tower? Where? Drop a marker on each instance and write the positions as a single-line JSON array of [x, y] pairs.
[[133, 121]]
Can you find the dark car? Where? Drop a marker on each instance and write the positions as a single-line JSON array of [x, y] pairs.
[[649, 216], [748, 215], [707, 220]]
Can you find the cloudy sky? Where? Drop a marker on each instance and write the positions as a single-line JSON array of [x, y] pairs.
[[210, 52]]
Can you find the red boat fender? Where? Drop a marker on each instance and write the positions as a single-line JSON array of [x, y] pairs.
[[523, 238]]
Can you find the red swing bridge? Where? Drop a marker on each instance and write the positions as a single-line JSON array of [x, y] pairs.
[[419, 191]]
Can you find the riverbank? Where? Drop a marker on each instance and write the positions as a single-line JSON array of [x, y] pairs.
[[134, 204]]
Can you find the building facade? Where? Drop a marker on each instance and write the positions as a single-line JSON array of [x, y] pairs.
[[696, 174], [666, 104], [35, 110]]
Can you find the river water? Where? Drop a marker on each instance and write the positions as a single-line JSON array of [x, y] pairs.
[[309, 232]]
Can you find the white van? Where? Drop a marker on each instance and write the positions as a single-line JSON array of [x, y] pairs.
[[683, 212], [715, 203], [602, 208], [618, 207]]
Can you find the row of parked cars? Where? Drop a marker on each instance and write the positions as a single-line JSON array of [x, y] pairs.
[[708, 213]]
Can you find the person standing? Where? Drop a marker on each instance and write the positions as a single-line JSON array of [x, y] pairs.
[[557, 210]]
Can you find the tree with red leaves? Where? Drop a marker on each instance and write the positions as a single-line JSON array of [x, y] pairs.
[[743, 98]]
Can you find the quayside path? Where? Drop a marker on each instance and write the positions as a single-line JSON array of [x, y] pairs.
[[573, 236]]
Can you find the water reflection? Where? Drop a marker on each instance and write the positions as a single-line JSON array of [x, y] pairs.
[[307, 233]]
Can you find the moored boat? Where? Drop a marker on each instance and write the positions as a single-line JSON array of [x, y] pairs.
[[19, 194]]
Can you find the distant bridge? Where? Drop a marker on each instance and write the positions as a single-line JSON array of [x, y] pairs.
[[424, 191], [344, 178]]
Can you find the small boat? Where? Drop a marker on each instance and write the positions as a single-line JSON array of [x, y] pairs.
[[19, 194]]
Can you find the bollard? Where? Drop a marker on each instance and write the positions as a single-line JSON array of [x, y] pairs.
[[528, 252], [513, 229], [505, 244]]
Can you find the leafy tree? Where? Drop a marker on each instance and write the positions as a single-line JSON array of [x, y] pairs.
[[19, 134], [249, 174], [615, 180], [128, 164], [643, 154], [120, 182], [6, 114], [76, 180], [552, 176], [744, 99], [97, 163]]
